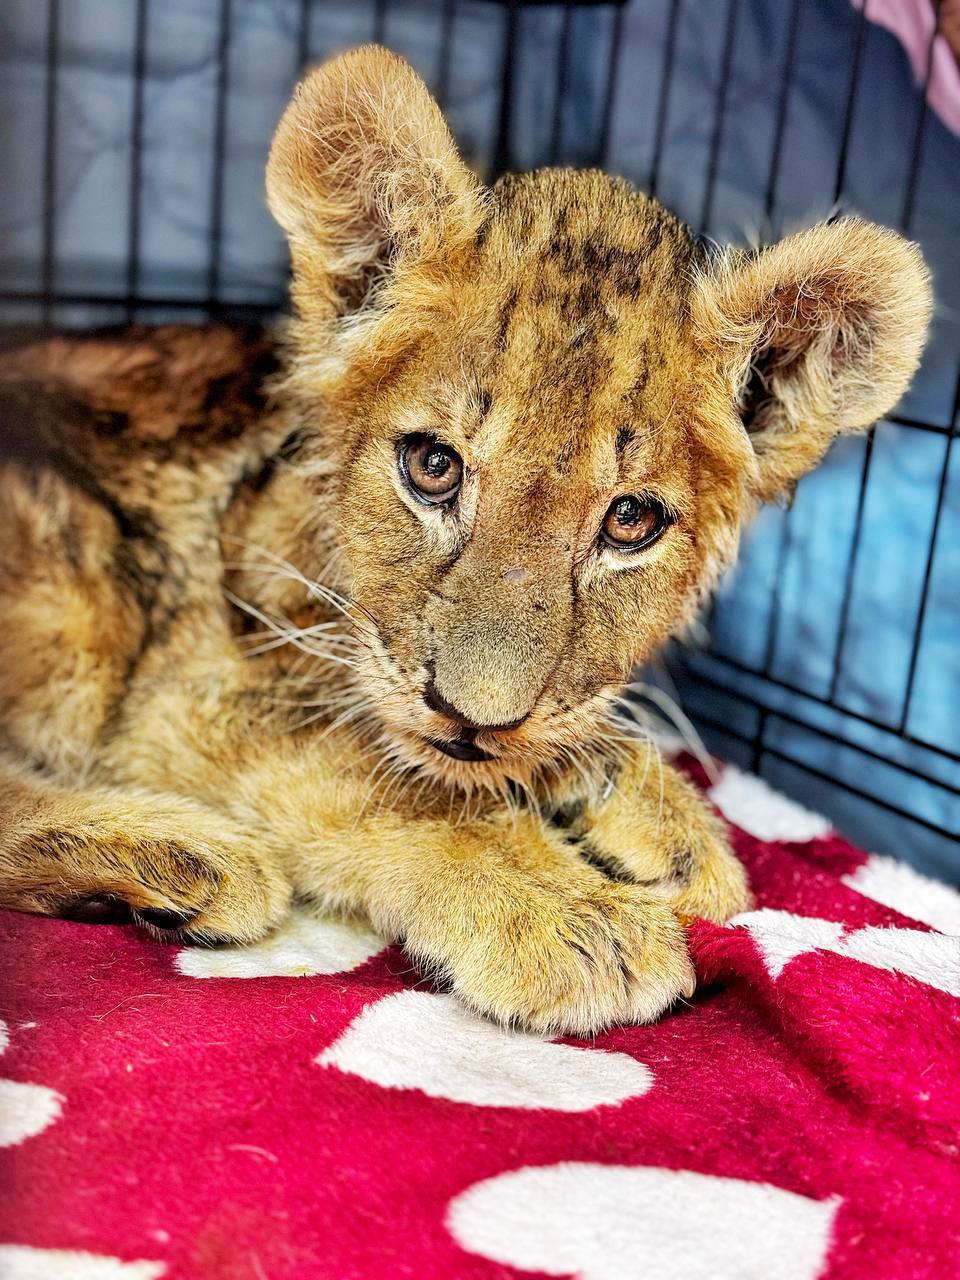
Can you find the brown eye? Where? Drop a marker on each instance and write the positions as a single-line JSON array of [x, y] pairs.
[[431, 469], [632, 523]]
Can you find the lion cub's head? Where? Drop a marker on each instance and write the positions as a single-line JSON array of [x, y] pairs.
[[548, 407]]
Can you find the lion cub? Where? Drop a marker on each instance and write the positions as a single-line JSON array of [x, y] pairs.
[[355, 630]]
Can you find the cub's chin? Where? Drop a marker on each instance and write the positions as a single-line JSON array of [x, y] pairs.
[[464, 762], [468, 760]]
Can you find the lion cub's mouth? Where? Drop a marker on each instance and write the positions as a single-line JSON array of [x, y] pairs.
[[461, 749]]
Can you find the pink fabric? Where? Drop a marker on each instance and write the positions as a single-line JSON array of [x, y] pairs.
[[912, 22], [182, 1126]]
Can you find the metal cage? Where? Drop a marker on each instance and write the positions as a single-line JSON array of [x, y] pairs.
[[708, 106]]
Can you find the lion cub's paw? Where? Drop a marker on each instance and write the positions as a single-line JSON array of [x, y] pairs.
[[244, 897], [176, 881], [685, 859], [572, 958]]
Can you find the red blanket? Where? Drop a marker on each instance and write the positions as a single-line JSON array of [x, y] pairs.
[[306, 1108]]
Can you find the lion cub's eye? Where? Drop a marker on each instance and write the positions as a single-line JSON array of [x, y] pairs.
[[632, 523], [431, 469]]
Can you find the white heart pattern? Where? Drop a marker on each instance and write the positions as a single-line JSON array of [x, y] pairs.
[[898, 886], [303, 945], [753, 806], [932, 958], [417, 1040], [25, 1109], [20, 1262], [611, 1222]]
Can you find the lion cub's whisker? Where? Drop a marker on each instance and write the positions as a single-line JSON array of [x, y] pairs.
[[284, 568], [675, 715], [286, 635]]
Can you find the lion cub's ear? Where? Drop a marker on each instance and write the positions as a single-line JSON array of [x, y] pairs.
[[363, 174], [816, 335]]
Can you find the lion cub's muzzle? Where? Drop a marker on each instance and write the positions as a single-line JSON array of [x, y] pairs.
[[492, 641], [464, 746]]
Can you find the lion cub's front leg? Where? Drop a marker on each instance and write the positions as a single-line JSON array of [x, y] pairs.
[[649, 826], [531, 935], [503, 909], [103, 854]]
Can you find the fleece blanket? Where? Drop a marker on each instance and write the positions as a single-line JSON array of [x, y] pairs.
[[308, 1107]]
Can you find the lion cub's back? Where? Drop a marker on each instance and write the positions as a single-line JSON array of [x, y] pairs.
[[118, 453]]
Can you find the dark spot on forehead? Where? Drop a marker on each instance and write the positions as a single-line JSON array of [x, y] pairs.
[[589, 301], [581, 372], [624, 436], [525, 224], [654, 235], [506, 315], [483, 231], [541, 294], [624, 271], [568, 814], [565, 457], [642, 375]]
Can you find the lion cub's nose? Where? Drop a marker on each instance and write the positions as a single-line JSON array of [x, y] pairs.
[[437, 702]]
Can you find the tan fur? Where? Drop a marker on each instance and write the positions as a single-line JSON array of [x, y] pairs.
[[224, 606]]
